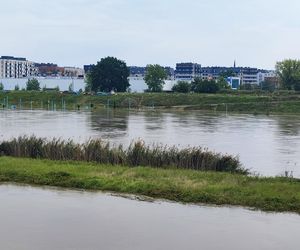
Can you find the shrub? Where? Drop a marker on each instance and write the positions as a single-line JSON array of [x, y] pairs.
[[182, 87]]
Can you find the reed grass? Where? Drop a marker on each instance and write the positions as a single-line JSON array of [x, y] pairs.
[[137, 154]]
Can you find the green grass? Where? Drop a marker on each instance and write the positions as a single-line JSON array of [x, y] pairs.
[[188, 186], [233, 101]]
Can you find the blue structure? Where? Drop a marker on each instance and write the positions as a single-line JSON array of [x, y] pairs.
[[234, 82]]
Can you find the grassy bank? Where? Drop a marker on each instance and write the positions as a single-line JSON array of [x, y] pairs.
[[137, 154], [254, 102], [268, 194]]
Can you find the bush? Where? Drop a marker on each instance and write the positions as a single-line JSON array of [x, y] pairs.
[[205, 86], [182, 87]]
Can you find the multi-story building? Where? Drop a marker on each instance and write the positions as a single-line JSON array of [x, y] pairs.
[[246, 74], [262, 76], [49, 70], [215, 72], [187, 71], [16, 67], [136, 72]]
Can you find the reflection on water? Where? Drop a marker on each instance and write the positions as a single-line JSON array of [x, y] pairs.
[[269, 145], [114, 122], [35, 218]]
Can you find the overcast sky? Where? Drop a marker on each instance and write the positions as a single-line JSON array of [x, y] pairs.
[[211, 32]]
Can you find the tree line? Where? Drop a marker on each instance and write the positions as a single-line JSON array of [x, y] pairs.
[[111, 74]]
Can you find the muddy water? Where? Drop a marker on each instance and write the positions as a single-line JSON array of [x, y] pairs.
[[36, 218], [268, 145]]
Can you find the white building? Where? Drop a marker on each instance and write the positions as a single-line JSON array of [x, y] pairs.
[[16, 67], [262, 76]]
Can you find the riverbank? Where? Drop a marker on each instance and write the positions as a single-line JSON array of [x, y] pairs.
[[188, 186], [239, 101]]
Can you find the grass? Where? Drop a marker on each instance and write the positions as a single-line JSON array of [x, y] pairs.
[[188, 186], [137, 154], [233, 101]]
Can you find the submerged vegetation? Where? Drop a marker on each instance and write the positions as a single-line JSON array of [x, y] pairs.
[[137, 154], [269, 194]]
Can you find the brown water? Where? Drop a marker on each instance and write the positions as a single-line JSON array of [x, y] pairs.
[[36, 218], [268, 145]]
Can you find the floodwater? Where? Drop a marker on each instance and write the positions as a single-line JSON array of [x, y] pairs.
[[268, 145], [36, 218]]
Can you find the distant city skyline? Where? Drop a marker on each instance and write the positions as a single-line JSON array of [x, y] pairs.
[[140, 32]]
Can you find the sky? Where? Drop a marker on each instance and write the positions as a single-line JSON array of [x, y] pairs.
[[255, 33]]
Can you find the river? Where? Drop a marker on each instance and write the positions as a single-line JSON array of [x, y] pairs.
[[268, 145], [37, 218]]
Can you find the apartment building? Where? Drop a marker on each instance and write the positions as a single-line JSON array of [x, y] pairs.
[[187, 71], [16, 67]]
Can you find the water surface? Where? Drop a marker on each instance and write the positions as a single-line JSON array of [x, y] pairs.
[[37, 218], [268, 145]]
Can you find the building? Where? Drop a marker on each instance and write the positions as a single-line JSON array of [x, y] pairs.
[[49, 70], [247, 75], [136, 72], [234, 82], [262, 76], [73, 72], [88, 68], [16, 67], [209, 73], [187, 71]]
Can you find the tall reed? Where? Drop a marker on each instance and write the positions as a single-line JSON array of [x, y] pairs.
[[137, 154]]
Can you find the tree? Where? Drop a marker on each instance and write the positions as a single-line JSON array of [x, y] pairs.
[[268, 86], [289, 73], [222, 83], [17, 87], [1, 86], [205, 86], [109, 74], [182, 87], [33, 84], [155, 77]]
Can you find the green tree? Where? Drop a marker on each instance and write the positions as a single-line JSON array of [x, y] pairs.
[[268, 86], [155, 77], [182, 87], [33, 84], [222, 83], [289, 73], [109, 74], [205, 86], [17, 87], [1, 86]]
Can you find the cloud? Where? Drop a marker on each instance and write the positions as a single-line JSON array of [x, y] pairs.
[[215, 32]]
